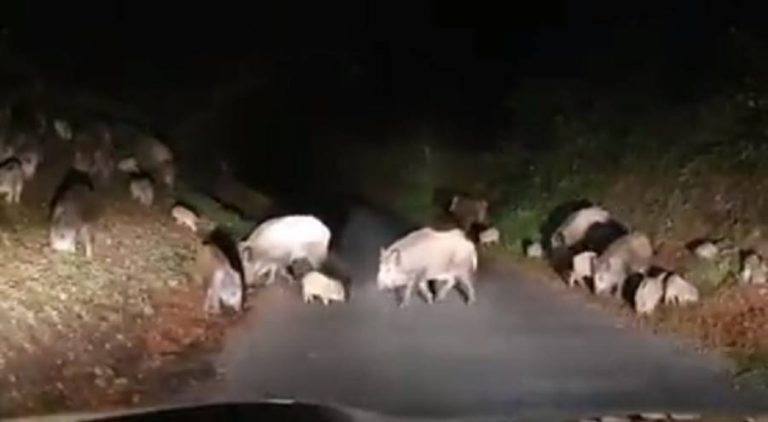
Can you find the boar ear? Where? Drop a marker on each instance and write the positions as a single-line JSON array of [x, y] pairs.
[[397, 255], [454, 202], [246, 252]]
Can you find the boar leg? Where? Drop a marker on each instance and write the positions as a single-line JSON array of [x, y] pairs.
[[269, 270], [283, 273], [87, 239], [212, 304], [469, 288], [447, 286], [424, 290], [407, 293]]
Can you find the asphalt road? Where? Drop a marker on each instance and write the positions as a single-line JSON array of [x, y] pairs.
[[522, 349]]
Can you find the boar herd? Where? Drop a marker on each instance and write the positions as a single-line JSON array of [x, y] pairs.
[[292, 247], [296, 247], [90, 153], [602, 255]]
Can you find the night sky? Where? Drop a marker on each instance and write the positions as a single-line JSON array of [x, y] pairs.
[[357, 64]]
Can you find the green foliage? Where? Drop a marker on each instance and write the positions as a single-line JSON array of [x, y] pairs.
[[227, 219], [710, 275], [751, 367]]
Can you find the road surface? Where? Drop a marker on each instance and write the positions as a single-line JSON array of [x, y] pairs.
[[522, 349]]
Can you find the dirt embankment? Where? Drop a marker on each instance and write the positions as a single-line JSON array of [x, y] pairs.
[[115, 330], [81, 333]]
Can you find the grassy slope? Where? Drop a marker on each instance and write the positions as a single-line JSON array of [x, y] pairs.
[[83, 334]]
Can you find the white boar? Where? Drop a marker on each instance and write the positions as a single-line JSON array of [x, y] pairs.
[[534, 250], [649, 294], [753, 269], [629, 254], [318, 285], [277, 242], [572, 230], [184, 216], [678, 291], [583, 269], [706, 250], [490, 236], [427, 254]]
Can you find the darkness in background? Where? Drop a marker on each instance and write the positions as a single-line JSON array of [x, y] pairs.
[[285, 78]]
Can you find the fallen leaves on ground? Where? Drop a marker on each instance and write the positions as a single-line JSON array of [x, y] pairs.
[[91, 334]]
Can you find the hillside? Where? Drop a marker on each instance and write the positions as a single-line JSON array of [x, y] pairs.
[[105, 332]]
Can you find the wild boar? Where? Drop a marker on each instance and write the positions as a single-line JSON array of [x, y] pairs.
[[30, 159], [678, 291], [573, 229], [142, 190], [222, 283], [41, 123], [599, 236], [128, 165], [754, 269], [277, 242], [157, 159], [7, 150], [298, 268], [184, 216], [83, 162], [468, 211], [11, 180], [165, 172], [94, 152], [150, 152], [71, 220], [533, 249], [629, 254], [63, 129], [103, 165], [489, 236], [583, 269], [649, 294], [427, 254], [318, 285], [706, 250]]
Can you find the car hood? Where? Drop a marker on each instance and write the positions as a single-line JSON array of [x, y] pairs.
[[280, 409]]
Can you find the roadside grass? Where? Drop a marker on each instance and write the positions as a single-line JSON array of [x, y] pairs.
[[751, 367]]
